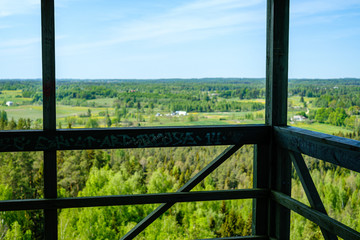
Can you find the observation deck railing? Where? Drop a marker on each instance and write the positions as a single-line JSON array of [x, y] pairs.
[[276, 147], [336, 150]]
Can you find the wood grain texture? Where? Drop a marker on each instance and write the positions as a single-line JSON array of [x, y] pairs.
[[119, 200], [337, 150], [276, 110], [70, 139], [317, 217], [277, 62], [49, 111], [261, 179]]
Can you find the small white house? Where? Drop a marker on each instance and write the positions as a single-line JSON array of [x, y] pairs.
[[298, 118], [181, 113], [9, 103]]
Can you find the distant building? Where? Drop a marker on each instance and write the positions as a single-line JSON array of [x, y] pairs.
[[298, 118], [9, 103], [181, 113], [158, 115]]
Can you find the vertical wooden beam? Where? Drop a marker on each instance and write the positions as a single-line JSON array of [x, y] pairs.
[[277, 62], [276, 110], [260, 180], [49, 111], [280, 180]]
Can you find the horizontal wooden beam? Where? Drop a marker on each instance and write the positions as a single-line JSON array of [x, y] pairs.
[[254, 237], [140, 137], [337, 150], [118, 200], [315, 216]]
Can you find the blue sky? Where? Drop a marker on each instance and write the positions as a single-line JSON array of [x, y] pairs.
[[186, 39]]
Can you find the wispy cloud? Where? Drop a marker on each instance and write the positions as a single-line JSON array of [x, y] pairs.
[[14, 7], [217, 5], [312, 7], [15, 43], [192, 21]]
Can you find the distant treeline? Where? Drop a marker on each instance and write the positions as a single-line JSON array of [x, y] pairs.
[[337, 100], [84, 173]]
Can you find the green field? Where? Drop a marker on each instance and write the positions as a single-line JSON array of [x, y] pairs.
[[14, 96], [320, 127], [23, 111], [213, 118], [78, 115]]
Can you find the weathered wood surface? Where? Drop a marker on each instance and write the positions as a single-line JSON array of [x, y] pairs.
[[310, 189], [35, 140], [185, 188], [317, 217], [277, 48], [280, 180], [49, 110], [337, 150], [119, 200], [261, 179]]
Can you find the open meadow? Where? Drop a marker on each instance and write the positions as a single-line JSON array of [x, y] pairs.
[[334, 109]]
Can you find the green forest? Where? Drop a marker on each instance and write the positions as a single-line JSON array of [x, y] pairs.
[[327, 105]]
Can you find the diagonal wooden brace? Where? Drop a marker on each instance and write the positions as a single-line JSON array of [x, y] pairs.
[[186, 188], [310, 189]]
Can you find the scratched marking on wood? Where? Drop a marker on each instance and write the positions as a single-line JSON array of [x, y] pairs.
[[340, 151], [134, 138], [113, 140], [126, 140]]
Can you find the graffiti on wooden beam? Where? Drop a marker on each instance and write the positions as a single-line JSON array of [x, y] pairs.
[[96, 140], [19, 143]]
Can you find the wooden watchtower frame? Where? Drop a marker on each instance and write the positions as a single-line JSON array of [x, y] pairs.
[[277, 146]]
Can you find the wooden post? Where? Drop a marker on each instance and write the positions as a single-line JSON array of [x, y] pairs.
[[260, 180], [276, 111], [49, 111]]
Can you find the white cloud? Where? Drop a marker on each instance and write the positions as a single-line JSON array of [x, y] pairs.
[[14, 7], [312, 7], [193, 21], [217, 5], [15, 43]]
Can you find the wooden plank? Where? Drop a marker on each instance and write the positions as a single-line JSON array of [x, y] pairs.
[[48, 64], [49, 111], [186, 188], [13, 141], [261, 179], [337, 150], [50, 191], [277, 62], [315, 216], [310, 189], [280, 179], [254, 237], [276, 110], [120, 200]]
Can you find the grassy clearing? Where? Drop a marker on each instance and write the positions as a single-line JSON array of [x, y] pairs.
[[319, 127], [102, 102], [63, 111], [14, 96], [19, 110], [25, 111]]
